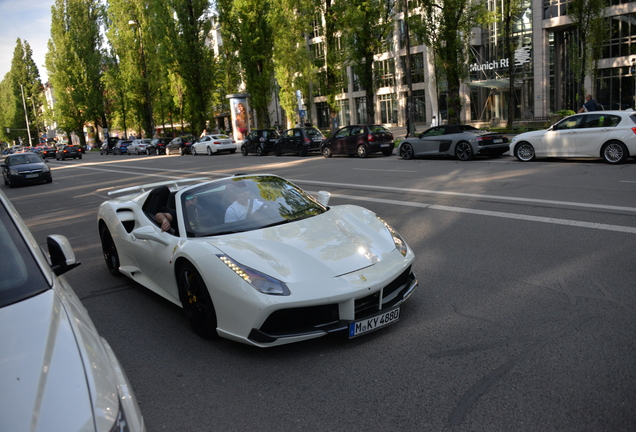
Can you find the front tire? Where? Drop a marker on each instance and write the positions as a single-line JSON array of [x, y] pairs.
[[326, 152], [209, 151], [524, 152], [615, 152], [196, 301], [301, 151], [406, 151], [464, 151], [244, 151], [109, 250], [259, 151]]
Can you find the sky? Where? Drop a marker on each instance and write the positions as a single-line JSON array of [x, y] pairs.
[[29, 20]]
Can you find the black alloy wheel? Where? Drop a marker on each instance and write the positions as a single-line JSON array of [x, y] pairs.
[[463, 151], [196, 301], [406, 151], [244, 151], [109, 250]]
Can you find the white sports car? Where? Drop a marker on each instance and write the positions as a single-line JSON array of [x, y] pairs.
[[256, 259]]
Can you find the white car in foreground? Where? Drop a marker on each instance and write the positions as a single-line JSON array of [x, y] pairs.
[[213, 144], [293, 269], [610, 135], [56, 372]]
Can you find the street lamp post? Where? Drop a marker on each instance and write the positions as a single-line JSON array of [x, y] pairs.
[[148, 120], [26, 115]]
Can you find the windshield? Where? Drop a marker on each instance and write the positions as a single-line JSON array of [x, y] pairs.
[[244, 204], [20, 276], [24, 159]]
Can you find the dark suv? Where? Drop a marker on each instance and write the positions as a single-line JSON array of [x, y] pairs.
[[300, 141], [260, 141], [158, 145], [68, 151], [361, 140]]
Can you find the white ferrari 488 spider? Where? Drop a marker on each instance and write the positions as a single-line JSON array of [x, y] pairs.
[[256, 259]]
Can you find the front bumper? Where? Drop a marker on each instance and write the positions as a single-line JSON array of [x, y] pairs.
[[23, 180], [307, 322]]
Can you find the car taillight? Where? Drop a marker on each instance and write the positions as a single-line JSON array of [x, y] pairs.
[[307, 140], [370, 138], [216, 143], [634, 130]]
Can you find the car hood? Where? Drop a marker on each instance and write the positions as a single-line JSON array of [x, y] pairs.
[[531, 134], [339, 241], [42, 375]]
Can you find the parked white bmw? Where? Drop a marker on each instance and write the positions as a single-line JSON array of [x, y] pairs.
[[213, 144], [610, 135], [257, 260], [56, 372]]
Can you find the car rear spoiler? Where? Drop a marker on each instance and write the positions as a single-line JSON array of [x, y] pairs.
[[146, 187]]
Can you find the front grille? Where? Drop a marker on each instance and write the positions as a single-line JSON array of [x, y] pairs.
[[368, 305], [300, 320], [392, 294]]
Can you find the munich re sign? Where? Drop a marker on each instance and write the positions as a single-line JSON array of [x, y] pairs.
[[522, 56]]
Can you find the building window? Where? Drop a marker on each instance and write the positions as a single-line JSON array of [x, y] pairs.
[[356, 82], [419, 105], [388, 108], [344, 114], [317, 24], [417, 68], [385, 72], [322, 114], [361, 109], [318, 53]]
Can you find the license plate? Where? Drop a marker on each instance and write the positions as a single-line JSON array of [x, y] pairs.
[[498, 140], [32, 175], [385, 145], [370, 324]]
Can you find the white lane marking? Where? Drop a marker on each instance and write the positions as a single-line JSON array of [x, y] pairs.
[[580, 224], [469, 195], [557, 221]]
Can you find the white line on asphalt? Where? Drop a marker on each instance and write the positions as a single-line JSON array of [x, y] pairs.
[[469, 195], [592, 225], [580, 224]]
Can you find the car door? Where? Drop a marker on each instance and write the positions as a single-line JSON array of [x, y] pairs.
[[560, 139], [338, 144], [355, 138], [428, 142], [592, 135]]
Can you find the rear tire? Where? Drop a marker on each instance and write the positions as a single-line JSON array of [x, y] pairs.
[[196, 301], [464, 151], [615, 152], [362, 151]]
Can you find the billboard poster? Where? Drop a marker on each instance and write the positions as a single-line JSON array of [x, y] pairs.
[[240, 118]]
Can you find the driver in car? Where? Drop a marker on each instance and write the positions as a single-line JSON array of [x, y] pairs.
[[243, 204]]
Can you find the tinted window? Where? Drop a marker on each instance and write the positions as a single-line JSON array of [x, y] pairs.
[[344, 132], [572, 122], [20, 276], [436, 131], [378, 129], [314, 133]]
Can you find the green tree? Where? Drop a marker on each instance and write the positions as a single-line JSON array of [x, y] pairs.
[[74, 61], [246, 29], [445, 27], [22, 79], [511, 11], [365, 26], [181, 29], [593, 32], [291, 21]]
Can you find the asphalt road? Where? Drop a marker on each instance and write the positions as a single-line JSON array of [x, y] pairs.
[[524, 320]]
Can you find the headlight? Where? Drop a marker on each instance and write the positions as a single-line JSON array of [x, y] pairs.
[[46, 169], [14, 172], [261, 282], [400, 244]]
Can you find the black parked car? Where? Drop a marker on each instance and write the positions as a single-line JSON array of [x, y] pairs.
[[359, 139], [68, 151], [260, 141], [301, 140], [25, 168], [181, 145], [121, 147], [158, 145]]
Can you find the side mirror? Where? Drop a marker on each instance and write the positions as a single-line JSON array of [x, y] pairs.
[[61, 253], [323, 197], [149, 233]]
